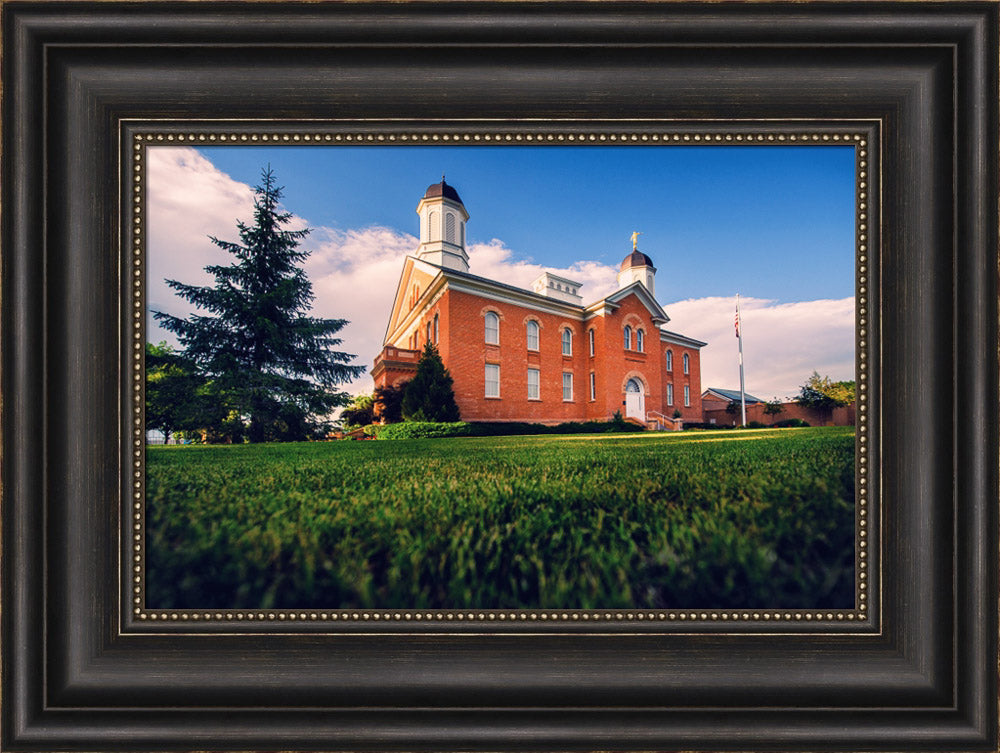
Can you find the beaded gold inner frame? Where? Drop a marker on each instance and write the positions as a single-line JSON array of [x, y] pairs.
[[137, 137]]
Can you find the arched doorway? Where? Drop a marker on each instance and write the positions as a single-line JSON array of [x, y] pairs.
[[635, 400]]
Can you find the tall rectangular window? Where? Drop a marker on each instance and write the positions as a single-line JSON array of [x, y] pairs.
[[687, 364], [567, 342], [567, 386], [492, 380], [532, 334], [687, 396], [492, 328], [533, 381], [593, 386], [590, 338], [670, 394]]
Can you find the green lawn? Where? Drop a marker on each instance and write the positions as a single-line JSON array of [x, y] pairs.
[[755, 518]]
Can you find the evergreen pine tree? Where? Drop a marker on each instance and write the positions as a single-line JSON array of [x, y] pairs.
[[274, 363], [429, 395]]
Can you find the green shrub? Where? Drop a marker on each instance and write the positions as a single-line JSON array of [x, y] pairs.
[[418, 429], [790, 422], [423, 430]]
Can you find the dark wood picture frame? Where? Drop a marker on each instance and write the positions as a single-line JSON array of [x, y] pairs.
[[920, 673]]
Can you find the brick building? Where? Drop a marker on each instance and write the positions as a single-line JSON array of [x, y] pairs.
[[538, 355]]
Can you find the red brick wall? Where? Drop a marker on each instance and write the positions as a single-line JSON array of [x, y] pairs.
[[837, 417], [461, 342], [468, 353]]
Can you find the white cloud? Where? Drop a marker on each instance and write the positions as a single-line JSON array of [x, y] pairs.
[[354, 275], [189, 199], [496, 262], [783, 343]]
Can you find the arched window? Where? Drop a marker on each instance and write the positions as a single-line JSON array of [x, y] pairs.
[[428, 332], [567, 342], [532, 334], [628, 337], [436, 329], [638, 340], [449, 227], [670, 360], [590, 339], [632, 385], [492, 328], [687, 363]]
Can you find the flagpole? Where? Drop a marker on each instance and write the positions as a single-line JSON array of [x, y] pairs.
[[739, 338]]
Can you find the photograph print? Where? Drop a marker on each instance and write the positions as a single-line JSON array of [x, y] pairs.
[[500, 376]]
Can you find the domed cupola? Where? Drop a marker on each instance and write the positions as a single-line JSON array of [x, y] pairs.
[[637, 267], [442, 227]]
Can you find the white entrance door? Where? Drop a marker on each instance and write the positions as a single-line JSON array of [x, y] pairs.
[[635, 401]]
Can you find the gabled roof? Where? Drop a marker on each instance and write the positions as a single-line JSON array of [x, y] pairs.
[[673, 337], [399, 312], [477, 284], [613, 301], [731, 395]]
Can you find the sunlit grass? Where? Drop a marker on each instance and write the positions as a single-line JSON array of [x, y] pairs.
[[693, 519]]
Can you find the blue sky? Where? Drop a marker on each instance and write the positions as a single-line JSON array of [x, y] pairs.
[[773, 223], [767, 221]]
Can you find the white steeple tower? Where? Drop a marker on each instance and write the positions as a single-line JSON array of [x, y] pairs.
[[637, 267], [442, 227]]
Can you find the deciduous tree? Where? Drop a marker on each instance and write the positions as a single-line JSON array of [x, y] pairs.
[[820, 393]]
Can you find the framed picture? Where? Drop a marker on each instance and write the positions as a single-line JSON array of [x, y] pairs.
[[135, 614]]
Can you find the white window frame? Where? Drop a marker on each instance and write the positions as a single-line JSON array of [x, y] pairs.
[[495, 367], [628, 337], [491, 315], [638, 340], [590, 339], [687, 364], [567, 382], [531, 332], [593, 387], [567, 341], [536, 384], [437, 330], [670, 394], [687, 396], [670, 360]]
